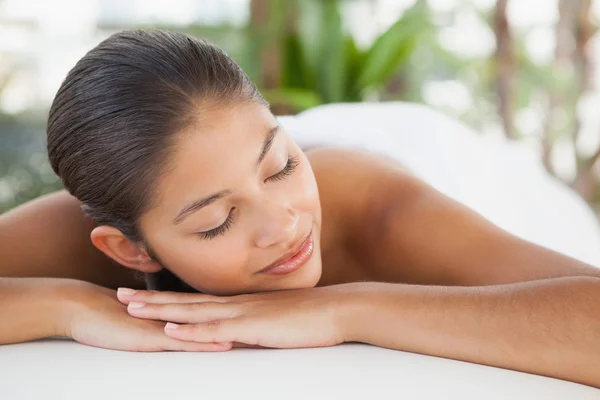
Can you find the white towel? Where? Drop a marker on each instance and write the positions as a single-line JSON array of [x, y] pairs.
[[498, 179]]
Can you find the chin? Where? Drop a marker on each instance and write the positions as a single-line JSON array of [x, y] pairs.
[[311, 274], [307, 276]]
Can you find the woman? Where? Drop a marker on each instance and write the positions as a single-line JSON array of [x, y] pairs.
[[185, 175]]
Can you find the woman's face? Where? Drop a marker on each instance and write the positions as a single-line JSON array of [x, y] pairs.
[[238, 196]]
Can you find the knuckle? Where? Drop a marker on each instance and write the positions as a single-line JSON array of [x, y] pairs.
[[153, 310], [163, 311], [214, 325], [139, 296], [213, 330], [209, 306]]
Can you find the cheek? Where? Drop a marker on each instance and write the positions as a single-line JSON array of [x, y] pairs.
[[307, 186], [209, 263]]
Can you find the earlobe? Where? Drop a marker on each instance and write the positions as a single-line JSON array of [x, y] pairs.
[[114, 244]]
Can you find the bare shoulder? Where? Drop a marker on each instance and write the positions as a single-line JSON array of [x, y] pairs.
[[357, 180], [356, 187], [56, 209], [50, 237], [351, 158]]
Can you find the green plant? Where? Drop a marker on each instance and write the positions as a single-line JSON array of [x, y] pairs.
[[321, 63]]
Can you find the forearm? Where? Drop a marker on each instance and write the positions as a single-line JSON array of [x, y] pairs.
[[548, 327], [33, 308]]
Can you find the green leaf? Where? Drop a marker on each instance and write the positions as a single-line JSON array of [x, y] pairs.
[[294, 69], [392, 49], [332, 69], [321, 39], [355, 58]]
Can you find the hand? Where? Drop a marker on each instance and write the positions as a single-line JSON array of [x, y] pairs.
[[97, 318], [282, 319]]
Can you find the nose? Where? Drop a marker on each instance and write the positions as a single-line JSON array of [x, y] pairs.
[[277, 224]]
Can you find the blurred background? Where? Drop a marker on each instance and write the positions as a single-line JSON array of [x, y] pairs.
[[525, 69]]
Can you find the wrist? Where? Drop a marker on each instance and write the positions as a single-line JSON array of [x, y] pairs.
[[354, 309], [66, 300], [36, 308]]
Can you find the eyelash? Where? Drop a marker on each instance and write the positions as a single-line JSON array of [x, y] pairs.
[[289, 169], [220, 230]]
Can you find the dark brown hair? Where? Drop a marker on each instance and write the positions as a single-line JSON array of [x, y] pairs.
[[112, 123]]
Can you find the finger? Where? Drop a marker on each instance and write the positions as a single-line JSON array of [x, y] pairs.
[[188, 313], [247, 346], [152, 338], [163, 342], [126, 295], [217, 331], [182, 345]]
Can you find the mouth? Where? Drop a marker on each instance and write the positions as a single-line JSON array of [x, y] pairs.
[[293, 260]]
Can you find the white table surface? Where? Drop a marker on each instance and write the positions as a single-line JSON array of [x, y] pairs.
[[62, 369]]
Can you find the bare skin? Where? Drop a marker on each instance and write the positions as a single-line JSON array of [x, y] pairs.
[[446, 269]]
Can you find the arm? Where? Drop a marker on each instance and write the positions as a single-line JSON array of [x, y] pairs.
[[546, 327], [50, 237], [33, 308], [476, 293], [36, 308], [495, 300], [45, 257]]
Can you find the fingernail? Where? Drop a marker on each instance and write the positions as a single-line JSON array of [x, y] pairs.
[[126, 291], [171, 325], [135, 304]]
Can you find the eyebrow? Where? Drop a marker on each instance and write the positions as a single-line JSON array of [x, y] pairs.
[[267, 144], [198, 204]]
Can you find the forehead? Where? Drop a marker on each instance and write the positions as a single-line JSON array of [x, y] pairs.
[[209, 155]]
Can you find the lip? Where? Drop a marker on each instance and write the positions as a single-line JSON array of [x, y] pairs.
[[292, 261]]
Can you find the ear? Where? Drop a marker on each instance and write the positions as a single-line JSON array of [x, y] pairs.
[[114, 244]]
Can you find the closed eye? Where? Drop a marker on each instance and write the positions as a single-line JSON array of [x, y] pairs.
[[220, 230], [289, 169]]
